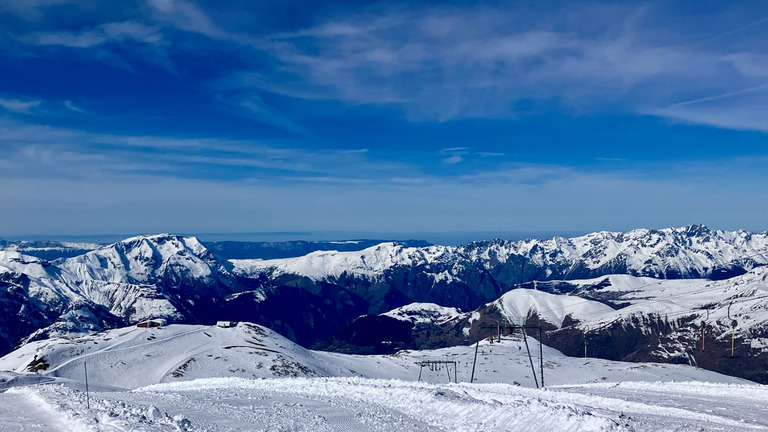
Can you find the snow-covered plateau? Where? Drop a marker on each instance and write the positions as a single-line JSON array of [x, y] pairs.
[[248, 378]]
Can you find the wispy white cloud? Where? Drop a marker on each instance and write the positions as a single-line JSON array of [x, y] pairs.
[[109, 32], [20, 106], [736, 30], [442, 63], [186, 16], [72, 107], [143, 43], [45, 151], [454, 159], [154, 27], [15, 105], [257, 186], [31, 9], [742, 110], [455, 155], [252, 105], [749, 64], [446, 63]]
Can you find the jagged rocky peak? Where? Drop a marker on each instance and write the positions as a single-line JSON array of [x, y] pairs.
[[143, 259], [697, 230], [165, 243]]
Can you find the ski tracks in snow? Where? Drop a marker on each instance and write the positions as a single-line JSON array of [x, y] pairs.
[[679, 406], [228, 410], [18, 412]]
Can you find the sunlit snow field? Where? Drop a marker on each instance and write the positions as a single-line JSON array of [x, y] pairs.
[[248, 378]]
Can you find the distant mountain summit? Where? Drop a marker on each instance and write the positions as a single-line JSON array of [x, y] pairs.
[[48, 250], [292, 249]]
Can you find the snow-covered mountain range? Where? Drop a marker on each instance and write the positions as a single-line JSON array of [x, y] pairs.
[[688, 252], [313, 297]]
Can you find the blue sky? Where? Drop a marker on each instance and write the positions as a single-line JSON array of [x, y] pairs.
[[255, 116]]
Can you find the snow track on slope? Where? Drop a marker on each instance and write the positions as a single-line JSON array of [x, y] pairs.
[[117, 347], [720, 405], [22, 409], [275, 409], [419, 406], [19, 413]]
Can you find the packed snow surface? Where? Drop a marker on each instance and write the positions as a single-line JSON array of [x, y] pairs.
[[361, 404]]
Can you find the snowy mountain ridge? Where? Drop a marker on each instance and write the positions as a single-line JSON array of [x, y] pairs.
[[720, 325], [48, 249], [369, 262], [142, 259], [693, 251]]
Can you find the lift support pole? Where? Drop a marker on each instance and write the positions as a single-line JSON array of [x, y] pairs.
[[523, 328]]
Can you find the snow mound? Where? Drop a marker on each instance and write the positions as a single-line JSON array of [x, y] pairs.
[[518, 304], [132, 357], [419, 313]]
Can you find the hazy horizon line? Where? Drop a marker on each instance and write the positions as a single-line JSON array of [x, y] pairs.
[[433, 237]]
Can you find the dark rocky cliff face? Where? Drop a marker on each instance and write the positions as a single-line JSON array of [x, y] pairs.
[[21, 314]]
